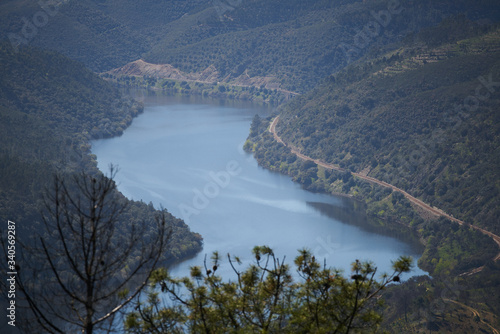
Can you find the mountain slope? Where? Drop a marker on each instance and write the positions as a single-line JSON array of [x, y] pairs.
[[299, 43], [101, 34], [423, 116], [50, 109], [427, 125], [296, 42]]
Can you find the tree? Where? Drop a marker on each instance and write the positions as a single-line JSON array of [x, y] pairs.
[[254, 128], [85, 264], [264, 298]]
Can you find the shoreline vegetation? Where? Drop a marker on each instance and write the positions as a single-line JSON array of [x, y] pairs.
[[418, 204], [460, 260], [390, 221], [46, 104], [170, 80], [386, 209]]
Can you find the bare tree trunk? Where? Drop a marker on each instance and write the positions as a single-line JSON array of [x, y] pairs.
[[87, 263]]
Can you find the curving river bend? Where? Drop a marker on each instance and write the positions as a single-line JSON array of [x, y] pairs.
[[185, 154]]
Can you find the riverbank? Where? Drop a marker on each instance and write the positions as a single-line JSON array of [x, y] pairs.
[[415, 201], [386, 208], [196, 168], [263, 90]]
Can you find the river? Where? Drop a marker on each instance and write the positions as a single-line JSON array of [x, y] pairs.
[[185, 154]]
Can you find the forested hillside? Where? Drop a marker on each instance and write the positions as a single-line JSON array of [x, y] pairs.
[[403, 91], [50, 109], [421, 115], [295, 42], [101, 34]]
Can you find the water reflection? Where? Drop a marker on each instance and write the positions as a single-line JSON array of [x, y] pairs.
[[353, 212]]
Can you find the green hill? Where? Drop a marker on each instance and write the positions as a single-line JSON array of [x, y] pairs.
[[422, 118], [50, 109], [101, 34], [298, 42], [421, 115]]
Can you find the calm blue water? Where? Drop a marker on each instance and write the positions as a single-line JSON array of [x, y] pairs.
[[186, 155]]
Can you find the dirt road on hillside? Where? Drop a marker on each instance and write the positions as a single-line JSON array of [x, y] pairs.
[[416, 201], [474, 312]]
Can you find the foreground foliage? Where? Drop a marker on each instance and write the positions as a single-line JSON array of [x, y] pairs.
[[50, 109], [85, 263], [265, 297]]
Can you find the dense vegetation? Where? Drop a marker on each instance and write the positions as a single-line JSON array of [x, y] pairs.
[[50, 109], [466, 304], [422, 115], [417, 109], [212, 90], [266, 298], [101, 34], [450, 249], [296, 42], [86, 261], [429, 126]]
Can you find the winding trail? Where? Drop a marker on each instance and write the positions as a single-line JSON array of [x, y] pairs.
[[474, 312], [435, 211]]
